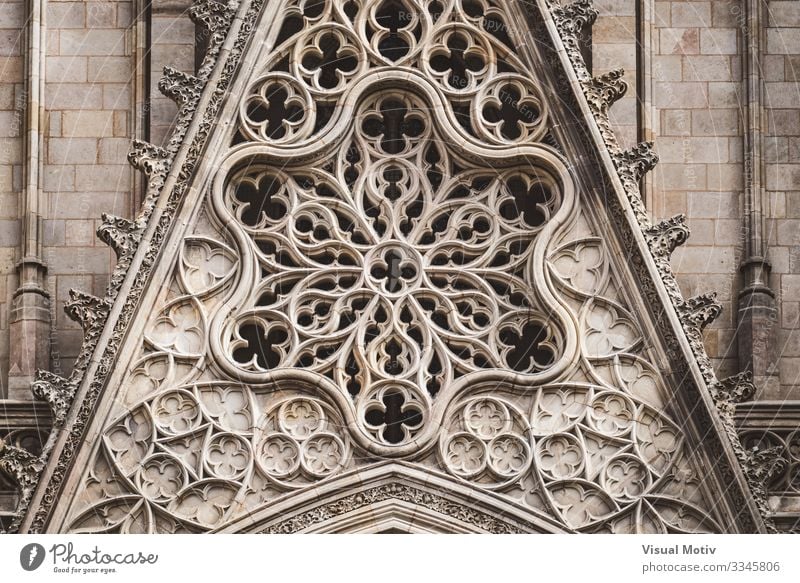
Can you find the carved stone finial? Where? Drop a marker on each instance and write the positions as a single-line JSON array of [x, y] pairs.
[[179, 86], [603, 91], [56, 391], [631, 165], [666, 236], [760, 467], [21, 466], [212, 15], [574, 17], [699, 311], [120, 234], [148, 158], [635, 162], [87, 310], [735, 389]]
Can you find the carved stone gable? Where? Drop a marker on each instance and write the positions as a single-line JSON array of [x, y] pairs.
[[381, 250]]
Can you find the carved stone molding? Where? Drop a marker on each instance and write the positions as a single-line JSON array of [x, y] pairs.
[[400, 492]]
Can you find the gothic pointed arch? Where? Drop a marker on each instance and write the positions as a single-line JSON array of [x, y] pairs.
[[392, 230]]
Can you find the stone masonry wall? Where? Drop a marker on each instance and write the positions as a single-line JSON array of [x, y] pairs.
[[782, 101], [696, 110], [88, 99]]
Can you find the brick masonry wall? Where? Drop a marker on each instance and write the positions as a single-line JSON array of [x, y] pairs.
[[697, 107]]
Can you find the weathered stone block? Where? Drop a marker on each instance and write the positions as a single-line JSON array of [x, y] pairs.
[[679, 41], [87, 123], [718, 41], [691, 14], [72, 150]]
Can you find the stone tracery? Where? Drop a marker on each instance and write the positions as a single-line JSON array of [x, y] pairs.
[[420, 275]]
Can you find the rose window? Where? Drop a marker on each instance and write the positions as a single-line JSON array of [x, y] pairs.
[[385, 257], [395, 267]]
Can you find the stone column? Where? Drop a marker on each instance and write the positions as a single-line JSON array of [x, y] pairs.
[[29, 322], [757, 330]]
